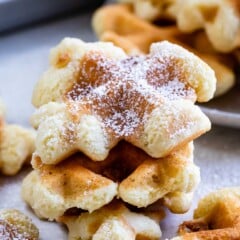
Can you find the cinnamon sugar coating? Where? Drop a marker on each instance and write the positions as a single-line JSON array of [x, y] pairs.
[[128, 173], [94, 95]]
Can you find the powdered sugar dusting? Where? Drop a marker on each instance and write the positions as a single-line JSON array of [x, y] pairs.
[[122, 93], [16, 226], [10, 232], [174, 88], [118, 118]]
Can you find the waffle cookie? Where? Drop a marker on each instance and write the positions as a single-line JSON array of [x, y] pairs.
[[16, 146], [217, 217], [220, 19], [2, 110], [15, 225], [114, 221], [152, 10], [118, 24], [127, 173], [94, 95]]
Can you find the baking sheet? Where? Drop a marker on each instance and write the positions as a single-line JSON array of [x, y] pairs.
[[23, 58], [225, 110], [18, 13]]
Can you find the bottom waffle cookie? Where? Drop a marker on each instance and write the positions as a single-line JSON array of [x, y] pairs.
[[115, 221], [14, 225], [127, 173], [217, 217]]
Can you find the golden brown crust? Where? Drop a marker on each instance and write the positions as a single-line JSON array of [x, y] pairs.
[[127, 173], [15, 225], [51, 190], [217, 217], [69, 178]]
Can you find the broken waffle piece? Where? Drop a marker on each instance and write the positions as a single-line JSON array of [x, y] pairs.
[[118, 24], [91, 98], [15, 225], [217, 217], [16, 146], [113, 221], [79, 182]]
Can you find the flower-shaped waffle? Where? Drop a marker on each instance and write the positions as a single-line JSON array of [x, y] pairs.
[[15, 225], [94, 95], [115, 221], [217, 217], [118, 24], [127, 173], [219, 18], [16, 146]]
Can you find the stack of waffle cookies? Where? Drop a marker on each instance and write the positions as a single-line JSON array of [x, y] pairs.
[[115, 138], [208, 28]]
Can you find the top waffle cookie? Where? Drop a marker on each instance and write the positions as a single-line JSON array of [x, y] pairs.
[[94, 95]]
